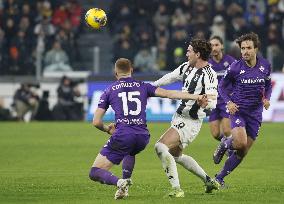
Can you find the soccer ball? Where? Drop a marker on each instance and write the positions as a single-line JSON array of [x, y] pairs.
[[96, 18]]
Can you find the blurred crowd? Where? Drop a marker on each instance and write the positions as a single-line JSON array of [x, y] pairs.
[[44, 30], [153, 33]]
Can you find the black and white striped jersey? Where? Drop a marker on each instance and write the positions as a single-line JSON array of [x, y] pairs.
[[195, 81]]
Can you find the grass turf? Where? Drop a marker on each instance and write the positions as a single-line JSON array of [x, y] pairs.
[[50, 162]]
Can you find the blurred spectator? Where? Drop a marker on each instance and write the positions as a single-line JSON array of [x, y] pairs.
[[56, 59], [25, 100], [218, 27], [161, 58], [161, 16], [60, 15], [144, 61], [67, 107], [124, 49], [21, 54], [4, 112], [45, 26]]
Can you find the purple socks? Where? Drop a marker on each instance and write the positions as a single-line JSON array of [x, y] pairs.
[[103, 176], [232, 162], [128, 166]]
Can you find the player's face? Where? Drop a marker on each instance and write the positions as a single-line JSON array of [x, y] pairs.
[[248, 50], [191, 56], [216, 47]]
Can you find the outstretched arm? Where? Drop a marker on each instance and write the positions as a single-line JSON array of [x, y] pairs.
[[172, 94], [171, 77], [98, 122]]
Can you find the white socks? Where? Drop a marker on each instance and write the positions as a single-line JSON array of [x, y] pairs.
[[168, 163], [191, 165]]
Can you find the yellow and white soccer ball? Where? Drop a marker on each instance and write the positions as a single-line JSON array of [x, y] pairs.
[[96, 18]]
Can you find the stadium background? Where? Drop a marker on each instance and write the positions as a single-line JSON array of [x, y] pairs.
[[48, 162], [150, 33]]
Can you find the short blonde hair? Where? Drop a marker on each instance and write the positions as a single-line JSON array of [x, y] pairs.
[[123, 65]]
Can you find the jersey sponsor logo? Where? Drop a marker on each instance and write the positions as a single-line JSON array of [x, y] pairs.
[[252, 81], [133, 121]]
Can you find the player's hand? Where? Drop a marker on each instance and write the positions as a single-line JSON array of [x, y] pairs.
[[211, 96], [202, 101], [111, 128], [232, 107], [266, 103]]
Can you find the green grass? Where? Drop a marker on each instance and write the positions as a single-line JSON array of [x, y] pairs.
[[50, 162]]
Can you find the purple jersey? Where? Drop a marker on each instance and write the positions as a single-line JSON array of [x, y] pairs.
[[128, 99], [220, 68], [249, 86]]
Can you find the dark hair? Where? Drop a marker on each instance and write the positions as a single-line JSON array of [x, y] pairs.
[[216, 37], [124, 65], [201, 46], [250, 37]]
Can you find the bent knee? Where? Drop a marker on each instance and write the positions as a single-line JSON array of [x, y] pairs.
[[227, 132], [241, 145]]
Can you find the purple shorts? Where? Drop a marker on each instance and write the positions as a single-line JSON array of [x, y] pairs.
[[219, 112], [118, 146], [251, 124]]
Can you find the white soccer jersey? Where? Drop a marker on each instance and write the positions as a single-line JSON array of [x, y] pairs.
[[195, 81]]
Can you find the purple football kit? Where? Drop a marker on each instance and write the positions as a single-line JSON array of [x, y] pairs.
[[249, 86], [220, 68], [128, 99]]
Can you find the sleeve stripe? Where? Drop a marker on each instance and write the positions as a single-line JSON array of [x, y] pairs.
[[181, 68], [209, 73]]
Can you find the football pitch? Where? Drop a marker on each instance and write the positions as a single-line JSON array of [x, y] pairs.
[[50, 162]]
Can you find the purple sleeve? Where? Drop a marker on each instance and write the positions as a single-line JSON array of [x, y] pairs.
[[104, 100], [268, 85], [150, 89], [226, 82]]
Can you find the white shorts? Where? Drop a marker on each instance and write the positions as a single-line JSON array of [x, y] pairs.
[[187, 128]]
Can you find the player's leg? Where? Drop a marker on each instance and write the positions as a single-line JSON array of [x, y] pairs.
[[236, 142], [233, 161], [137, 145], [99, 171], [169, 140], [108, 156], [215, 129], [128, 163], [226, 127], [187, 134], [215, 123]]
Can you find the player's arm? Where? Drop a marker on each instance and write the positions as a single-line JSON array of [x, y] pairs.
[[211, 84], [267, 91], [98, 121], [171, 77], [226, 82], [172, 94]]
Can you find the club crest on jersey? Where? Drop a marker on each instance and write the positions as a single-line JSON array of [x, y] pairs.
[[261, 68], [242, 71], [226, 64]]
